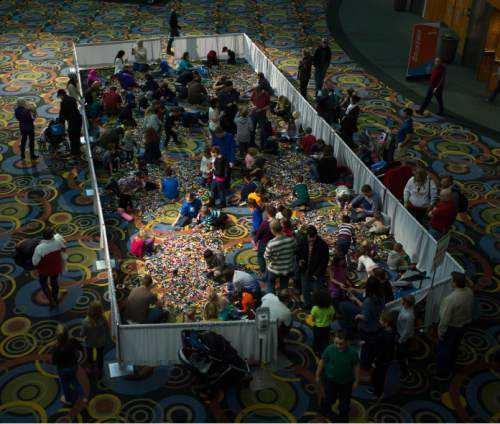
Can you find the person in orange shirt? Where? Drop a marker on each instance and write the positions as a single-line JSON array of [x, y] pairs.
[[247, 301]]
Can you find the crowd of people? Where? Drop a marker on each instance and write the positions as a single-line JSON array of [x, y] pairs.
[[149, 105]]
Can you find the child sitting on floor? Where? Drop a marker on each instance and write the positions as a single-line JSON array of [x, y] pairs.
[[307, 141], [365, 262], [397, 260], [250, 158], [211, 218], [170, 185], [250, 184], [301, 193], [377, 224], [142, 244], [189, 210]]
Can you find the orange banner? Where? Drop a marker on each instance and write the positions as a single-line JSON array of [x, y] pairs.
[[423, 49]]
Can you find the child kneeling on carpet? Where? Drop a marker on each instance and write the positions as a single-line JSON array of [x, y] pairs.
[[142, 244]]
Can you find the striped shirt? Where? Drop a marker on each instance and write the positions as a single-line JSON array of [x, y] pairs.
[[345, 230], [280, 255]]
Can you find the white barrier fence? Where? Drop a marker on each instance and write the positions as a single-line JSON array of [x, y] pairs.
[[100, 55], [148, 344]]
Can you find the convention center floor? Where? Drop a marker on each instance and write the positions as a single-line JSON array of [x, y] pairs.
[[35, 57]]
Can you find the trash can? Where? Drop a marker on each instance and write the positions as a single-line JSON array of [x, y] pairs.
[[449, 45], [399, 5]]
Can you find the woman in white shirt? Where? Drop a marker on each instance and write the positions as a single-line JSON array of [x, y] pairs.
[[119, 61], [140, 57], [72, 88], [420, 194]]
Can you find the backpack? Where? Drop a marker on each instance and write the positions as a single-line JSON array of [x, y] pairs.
[[463, 202]]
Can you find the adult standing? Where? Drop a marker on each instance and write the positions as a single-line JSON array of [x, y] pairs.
[[455, 313], [436, 86], [263, 83], [69, 113], [443, 215], [395, 179], [313, 257], [420, 194], [26, 114], [279, 311], [280, 257], [261, 102], [304, 74], [349, 123], [65, 358], [174, 28], [72, 87], [140, 57], [328, 104], [49, 261], [340, 364], [321, 62]]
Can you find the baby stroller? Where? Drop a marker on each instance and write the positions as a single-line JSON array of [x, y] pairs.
[[213, 357], [54, 136]]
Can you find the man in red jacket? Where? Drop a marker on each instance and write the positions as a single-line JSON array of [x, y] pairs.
[[443, 215], [438, 76], [48, 261], [396, 178]]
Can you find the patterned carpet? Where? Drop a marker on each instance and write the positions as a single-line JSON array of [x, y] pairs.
[[35, 55]]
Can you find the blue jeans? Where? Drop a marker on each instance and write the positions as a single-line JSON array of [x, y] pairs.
[[309, 286], [271, 278], [71, 387], [183, 221], [219, 192]]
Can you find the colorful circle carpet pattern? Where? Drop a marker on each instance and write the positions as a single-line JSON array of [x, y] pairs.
[[35, 57]]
